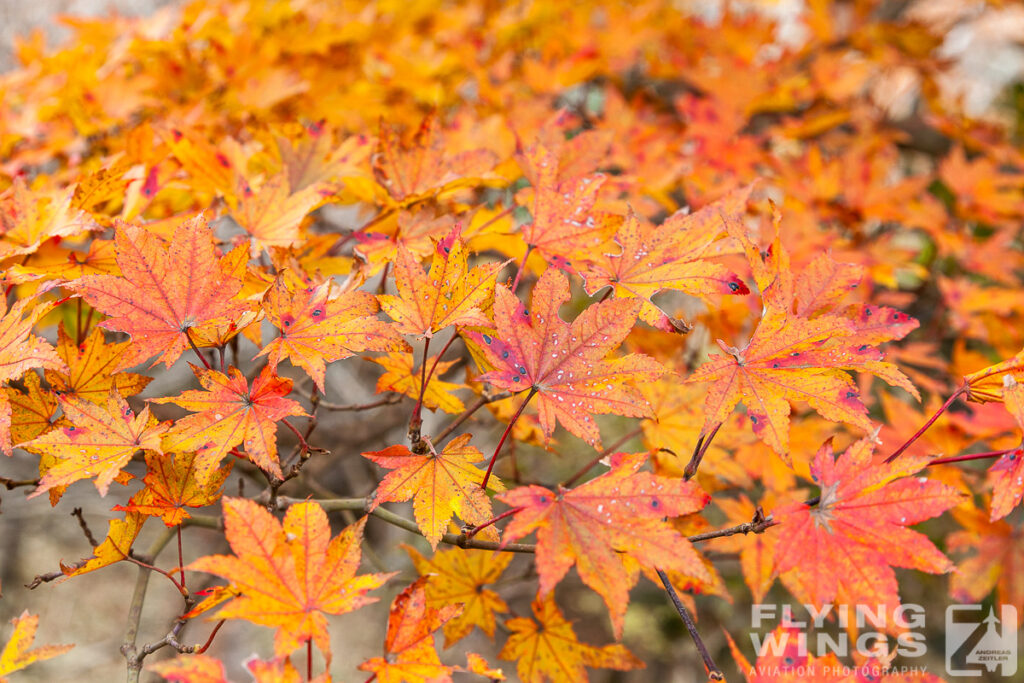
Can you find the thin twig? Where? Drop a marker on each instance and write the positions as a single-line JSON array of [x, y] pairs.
[[361, 504], [714, 673], [77, 514], [131, 654], [11, 484], [758, 525], [387, 401]]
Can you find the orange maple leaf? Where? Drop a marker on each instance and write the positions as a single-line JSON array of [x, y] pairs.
[[563, 364], [998, 554], [450, 294], [550, 650], [171, 486], [318, 326], [1007, 474], [458, 576], [16, 654], [91, 368], [166, 292], [29, 218], [792, 359], [564, 223], [315, 158], [409, 644], [197, 668], [443, 484], [422, 169], [669, 256], [845, 545], [121, 534], [621, 511], [290, 575], [402, 377], [229, 412], [100, 440], [32, 410], [20, 350], [273, 214]]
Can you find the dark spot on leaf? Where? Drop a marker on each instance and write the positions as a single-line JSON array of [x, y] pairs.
[[487, 339]]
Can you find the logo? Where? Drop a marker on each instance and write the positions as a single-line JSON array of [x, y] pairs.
[[977, 642]]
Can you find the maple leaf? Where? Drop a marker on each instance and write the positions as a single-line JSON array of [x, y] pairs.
[[100, 440], [16, 654], [32, 410], [423, 169], [171, 486], [563, 364], [402, 377], [28, 218], [998, 555], [443, 484], [564, 223], [90, 368], [229, 412], [791, 359], [550, 651], [458, 576], [621, 511], [198, 668], [409, 644], [1007, 474], [844, 546], [192, 668], [670, 256], [121, 534], [318, 327], [315, 158], [450, 294], [166, 293], [20, 351], [273, 214], [290, 575]]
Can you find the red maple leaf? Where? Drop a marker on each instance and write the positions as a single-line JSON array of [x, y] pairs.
[[564, 364]]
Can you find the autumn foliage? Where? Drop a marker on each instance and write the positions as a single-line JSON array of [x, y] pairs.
[[581, 302]]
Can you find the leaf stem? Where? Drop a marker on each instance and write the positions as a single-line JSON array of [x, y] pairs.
[[468, 412], [415, 421], [949, 401], [601, 456], [522, 267], [972, 456], [507, 513], [209, 641], [195, 348], [714, 673], [501, 442]]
